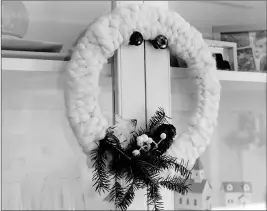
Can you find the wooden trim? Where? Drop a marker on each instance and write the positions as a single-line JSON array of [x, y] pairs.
[[40, 65], [17, 64], [39, 55], [157, 79], [158, 92], [223, 75], [158, 89], [35, 55], [1, 125], [129, 91]]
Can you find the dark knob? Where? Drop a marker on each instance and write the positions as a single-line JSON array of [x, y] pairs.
[[136, 38], [161, 42]]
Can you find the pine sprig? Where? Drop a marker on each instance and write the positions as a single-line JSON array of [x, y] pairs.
[[175, 183], [157, 119], [182, 169], [171, 163], [162, 162], [154, 197], [128, 196], [116, 193], [114, 143], [135, 134], [100, 174], [165, 162], [139, 132], [141, 170], [147, 171]]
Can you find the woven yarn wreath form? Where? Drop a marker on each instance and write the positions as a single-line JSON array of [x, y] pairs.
[[104, 37]]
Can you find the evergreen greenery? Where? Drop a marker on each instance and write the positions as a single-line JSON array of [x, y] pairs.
[[114, 165]]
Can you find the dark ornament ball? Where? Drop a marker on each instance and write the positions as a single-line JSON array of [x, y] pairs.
[[161, 42], [136, 38], [170, 132]]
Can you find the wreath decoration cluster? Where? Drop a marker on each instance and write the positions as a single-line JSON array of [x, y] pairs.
[[140, 162], [100, 41]]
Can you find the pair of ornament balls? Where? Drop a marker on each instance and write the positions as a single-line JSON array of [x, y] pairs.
[[160, 42]]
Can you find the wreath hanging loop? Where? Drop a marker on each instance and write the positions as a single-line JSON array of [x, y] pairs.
[[99, 43]]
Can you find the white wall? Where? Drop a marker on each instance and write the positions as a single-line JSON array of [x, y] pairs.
[[204, 15], [40, 162], [62, 21]]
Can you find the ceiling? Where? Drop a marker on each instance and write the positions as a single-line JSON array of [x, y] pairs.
[[244, 4], [63, 21]]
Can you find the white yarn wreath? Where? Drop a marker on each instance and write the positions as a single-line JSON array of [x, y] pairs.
[[99, 43]]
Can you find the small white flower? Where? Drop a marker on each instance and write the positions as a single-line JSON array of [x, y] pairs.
[[145, 137], [136, 152], [140, 138], [163, 135], [140, 141], [150, 140]]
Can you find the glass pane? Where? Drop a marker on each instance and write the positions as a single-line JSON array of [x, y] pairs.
[[41, 163], [235, 162]]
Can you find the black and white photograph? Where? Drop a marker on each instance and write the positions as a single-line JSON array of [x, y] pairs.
[[251, 49], [133, 105]]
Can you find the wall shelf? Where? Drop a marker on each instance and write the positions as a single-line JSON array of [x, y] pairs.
[[231, 76], [41, 65], [9, 55], [36, 65], [35, 55], [242, 76], [30, 64]]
